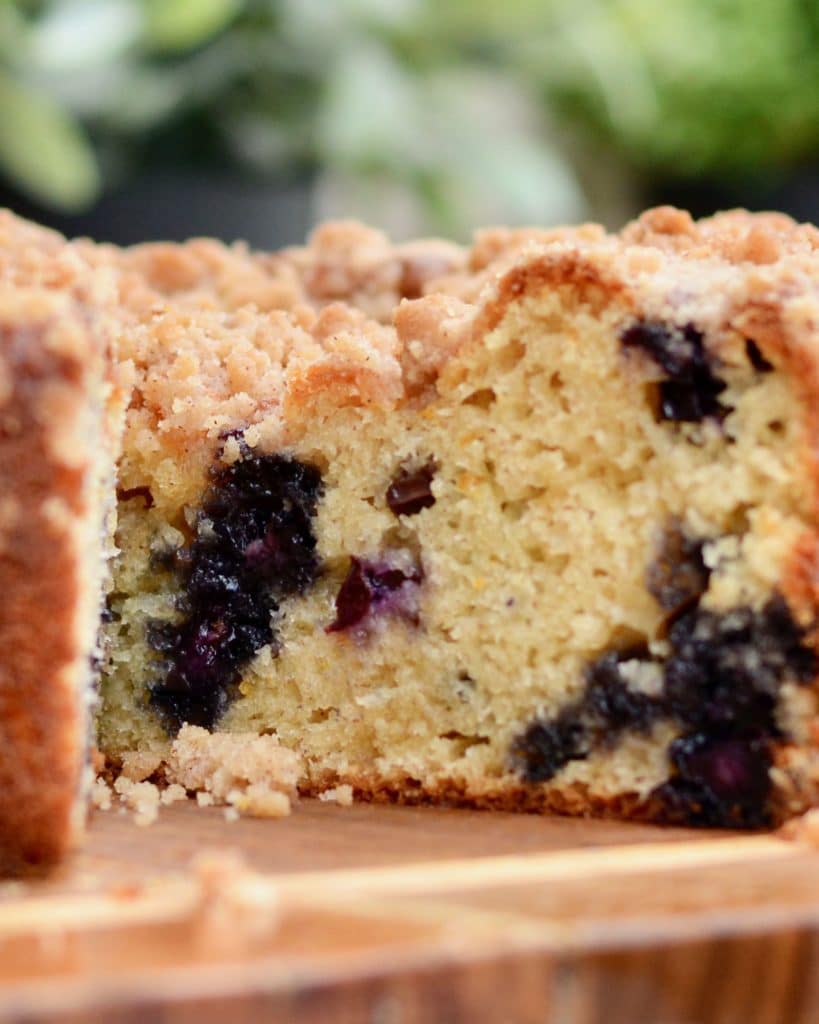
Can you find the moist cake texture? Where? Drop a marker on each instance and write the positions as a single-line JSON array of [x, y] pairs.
[[57, 460], [529, 526]]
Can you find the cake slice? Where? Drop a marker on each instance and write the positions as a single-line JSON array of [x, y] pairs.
[[544, 538], [58, 434]]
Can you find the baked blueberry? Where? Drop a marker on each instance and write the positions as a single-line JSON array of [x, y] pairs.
[[678, 576], [607, 707], [547, 745], [721, 782], [720, 684], [371, 587], [690, 391], [254, 547], [411, 489]]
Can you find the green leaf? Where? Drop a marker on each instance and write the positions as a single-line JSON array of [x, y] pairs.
[[12, 31], [78, 36], [178, 25], [43, 150], [357, 125]]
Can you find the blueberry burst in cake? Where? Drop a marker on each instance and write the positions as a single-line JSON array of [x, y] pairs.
[[532, 525]]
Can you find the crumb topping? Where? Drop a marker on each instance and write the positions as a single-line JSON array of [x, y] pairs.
[[252, 774]]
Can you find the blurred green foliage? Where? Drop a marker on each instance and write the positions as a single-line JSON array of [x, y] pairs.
[[461, 103], [689, 86]]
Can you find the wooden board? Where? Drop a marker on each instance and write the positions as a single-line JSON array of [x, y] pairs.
[[394, 915]]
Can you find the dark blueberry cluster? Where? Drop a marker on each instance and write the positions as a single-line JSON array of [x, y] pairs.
[[606, 708], [720, 685], [611, 705], [726, 668], [254, 546], [718, 782], [411, 490], [547, 745], [371, 587], [690, 392]]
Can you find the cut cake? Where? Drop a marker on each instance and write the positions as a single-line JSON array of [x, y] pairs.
[[528, 526]]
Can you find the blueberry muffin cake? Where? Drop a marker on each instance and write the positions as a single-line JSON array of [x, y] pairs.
[[58, 412], [542, 536], [531, 525]]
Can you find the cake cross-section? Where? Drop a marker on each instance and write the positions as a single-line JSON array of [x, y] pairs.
[[558, 513], [531, 525]]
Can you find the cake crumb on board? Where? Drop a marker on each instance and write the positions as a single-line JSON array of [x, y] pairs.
[[252, 774], [803, 830], [101, 794], [342, 795], [249, 774]]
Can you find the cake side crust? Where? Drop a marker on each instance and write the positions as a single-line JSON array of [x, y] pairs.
[[51, 405]]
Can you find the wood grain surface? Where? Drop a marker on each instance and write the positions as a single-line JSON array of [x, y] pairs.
[[395, 915]]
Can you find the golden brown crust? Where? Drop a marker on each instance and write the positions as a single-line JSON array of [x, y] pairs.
[[345, 261], [348, 263], [32, 256], [575, 800], [201, 273], [589, 283], [51, 370], [735, 236]]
